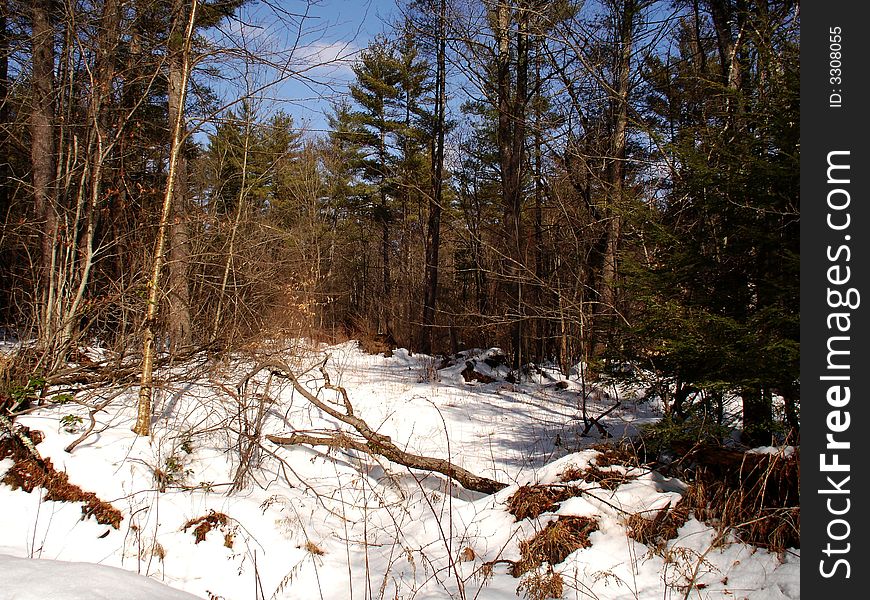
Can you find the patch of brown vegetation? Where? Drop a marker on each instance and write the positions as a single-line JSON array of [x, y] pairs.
[[467, 555], [372, 342], [756, 496], [609, 455], [530, 501], [609, 480], [204, 524], [313, 548], [30, 472], [541, 586], [554, 543], [655, 532], [159, 551]]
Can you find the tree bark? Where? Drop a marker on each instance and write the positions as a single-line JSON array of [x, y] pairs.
[[512, 99], [180, 334], [4, 108], [615, 183], [42, 155]]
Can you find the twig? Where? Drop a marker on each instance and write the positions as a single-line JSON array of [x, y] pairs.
[[92, 411]]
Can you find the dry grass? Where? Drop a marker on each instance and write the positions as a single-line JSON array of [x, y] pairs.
[[554, 543], [757, 496], [530, 501], [655, 532], [204, 524], [541, 586], [313, 548], [609, 480], [6, 370], [609, 455], [759, 499]]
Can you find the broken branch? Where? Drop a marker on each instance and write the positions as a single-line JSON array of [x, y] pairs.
[[375, 443]]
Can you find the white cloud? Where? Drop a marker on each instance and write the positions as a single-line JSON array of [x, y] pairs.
[[335, 58]]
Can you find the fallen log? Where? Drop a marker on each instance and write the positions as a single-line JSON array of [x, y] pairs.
[[372, 442]]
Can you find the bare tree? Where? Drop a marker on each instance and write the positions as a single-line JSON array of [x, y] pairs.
[[433, 227], [146, 388]]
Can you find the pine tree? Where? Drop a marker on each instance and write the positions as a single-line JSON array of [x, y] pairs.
[[721, 290], [391, 132]]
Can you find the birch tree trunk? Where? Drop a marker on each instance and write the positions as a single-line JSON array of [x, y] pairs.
[[146, 386]]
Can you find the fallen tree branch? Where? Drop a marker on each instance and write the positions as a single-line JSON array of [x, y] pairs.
[[374, 443], [118, 371], [21, 436]]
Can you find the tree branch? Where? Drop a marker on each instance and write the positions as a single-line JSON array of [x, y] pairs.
[[375, 443]]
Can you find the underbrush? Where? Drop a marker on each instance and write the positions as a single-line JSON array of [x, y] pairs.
[[554, 543], [754, 496], [757, 496], [530, 501]]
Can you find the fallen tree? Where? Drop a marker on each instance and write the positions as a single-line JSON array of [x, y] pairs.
[[370, 441]]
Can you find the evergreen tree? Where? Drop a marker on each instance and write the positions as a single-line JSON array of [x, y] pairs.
[[389, 127], [721, 290], [376, 93]]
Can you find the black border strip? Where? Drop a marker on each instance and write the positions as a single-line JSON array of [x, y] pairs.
[[835, 226]]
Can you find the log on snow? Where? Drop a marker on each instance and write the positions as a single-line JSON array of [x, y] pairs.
[[375, 443]]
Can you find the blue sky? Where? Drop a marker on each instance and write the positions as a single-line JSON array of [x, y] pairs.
[[325, 36]]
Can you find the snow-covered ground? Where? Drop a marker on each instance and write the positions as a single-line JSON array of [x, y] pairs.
[[335, 524]]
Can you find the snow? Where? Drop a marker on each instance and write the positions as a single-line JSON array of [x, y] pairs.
[[35, 579], [312, 523], [774, 450]]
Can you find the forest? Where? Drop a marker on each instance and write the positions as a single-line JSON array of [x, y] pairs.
[[611, 182], [517, 230]]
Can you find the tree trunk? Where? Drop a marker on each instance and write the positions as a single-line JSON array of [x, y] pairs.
[[430, 284], [42, 155], [757, 416], [228, 265], [615, 178], [180, 334], [143, 417], [100, 146], [512, 98], [4, 108]]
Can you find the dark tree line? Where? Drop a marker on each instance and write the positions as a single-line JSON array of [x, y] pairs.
[[611, 183]]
